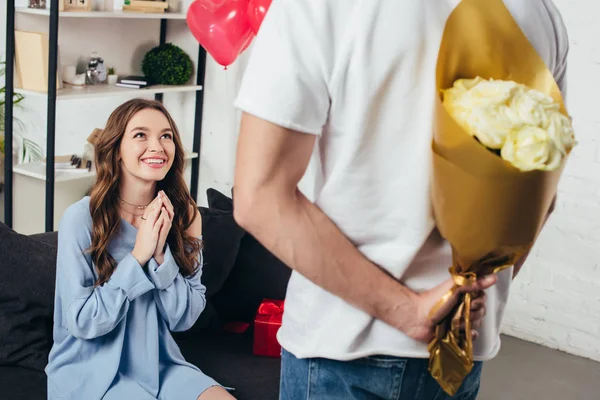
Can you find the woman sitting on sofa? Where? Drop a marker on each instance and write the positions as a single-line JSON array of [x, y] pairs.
[[128, 270]]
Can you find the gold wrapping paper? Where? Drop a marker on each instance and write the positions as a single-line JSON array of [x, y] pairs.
[[489, 211]]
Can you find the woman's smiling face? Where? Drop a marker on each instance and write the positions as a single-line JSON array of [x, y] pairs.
[[147, 148]]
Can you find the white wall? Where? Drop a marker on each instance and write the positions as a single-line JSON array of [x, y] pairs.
[[555, 301]]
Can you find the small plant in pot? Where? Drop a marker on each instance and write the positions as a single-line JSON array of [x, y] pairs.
[[111, 76]]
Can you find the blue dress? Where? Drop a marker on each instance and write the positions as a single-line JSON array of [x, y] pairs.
[[114, 341]]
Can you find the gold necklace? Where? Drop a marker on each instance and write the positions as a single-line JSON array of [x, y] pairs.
[[139, 207], [131, 213]]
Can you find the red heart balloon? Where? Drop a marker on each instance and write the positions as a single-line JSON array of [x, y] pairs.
[[257, 9], [221, 27]]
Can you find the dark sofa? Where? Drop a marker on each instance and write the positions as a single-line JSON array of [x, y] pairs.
[[238, 273]]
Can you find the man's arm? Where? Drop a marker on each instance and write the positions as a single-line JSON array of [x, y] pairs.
[[271, 161]]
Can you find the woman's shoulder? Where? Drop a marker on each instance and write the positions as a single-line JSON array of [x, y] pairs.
[[195, 228], [77, 216]]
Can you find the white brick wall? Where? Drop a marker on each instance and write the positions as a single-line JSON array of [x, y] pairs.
[[556, 299]]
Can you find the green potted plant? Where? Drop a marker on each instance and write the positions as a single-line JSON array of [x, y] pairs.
[[30, 151], [111, 76]]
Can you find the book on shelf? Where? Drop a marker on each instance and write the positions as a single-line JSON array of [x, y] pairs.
[[145, 6], [130, 85], [133, 82], [72, 163]]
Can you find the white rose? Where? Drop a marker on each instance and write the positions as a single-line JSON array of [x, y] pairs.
[[479, 106], [561, 132], [531, 148], [499, 112]]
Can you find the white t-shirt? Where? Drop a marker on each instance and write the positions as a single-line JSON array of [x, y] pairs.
[[360, 74]]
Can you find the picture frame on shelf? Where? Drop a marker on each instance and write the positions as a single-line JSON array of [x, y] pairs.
[[77, 5], [39, 4], [31, 58]]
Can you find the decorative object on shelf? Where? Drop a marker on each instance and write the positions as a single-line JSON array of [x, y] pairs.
[[96, 71], [39, 4], [167, 64], [112, 77], [69, 73], [225, 28], [176, 6], [72, 163], [93, 138], [145, 6], [31, 59], [79, 81], [78, 5]]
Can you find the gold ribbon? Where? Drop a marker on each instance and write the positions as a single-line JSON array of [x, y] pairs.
[[451, 352], [451, 349]]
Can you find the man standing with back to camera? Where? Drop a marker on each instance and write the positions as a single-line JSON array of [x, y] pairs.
[[354, 80]]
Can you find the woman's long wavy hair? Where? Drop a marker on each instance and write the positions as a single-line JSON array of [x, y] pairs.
[[104, 203]]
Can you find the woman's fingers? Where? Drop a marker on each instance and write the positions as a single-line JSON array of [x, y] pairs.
[[153, 215], [168, 204], [161, 220], [154, 204]]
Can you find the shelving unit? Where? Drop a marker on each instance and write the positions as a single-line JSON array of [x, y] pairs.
[[47, 172]]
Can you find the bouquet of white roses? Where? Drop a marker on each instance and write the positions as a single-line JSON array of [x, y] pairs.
[[522, 125], [501, 140]]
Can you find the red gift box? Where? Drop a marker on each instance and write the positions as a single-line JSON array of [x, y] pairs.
[[266, 325]]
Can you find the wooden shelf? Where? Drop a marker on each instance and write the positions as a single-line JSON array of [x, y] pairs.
[[70, 92], [102, 14], [38, 171]]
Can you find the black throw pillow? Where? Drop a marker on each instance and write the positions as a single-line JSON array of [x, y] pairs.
[[221, 240], [257, 274], [28, 270], [218, 200]]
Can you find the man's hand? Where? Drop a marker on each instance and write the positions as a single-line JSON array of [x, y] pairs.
[[424, 323]]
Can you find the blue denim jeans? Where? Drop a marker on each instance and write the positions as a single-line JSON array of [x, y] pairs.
[[370, 378]]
